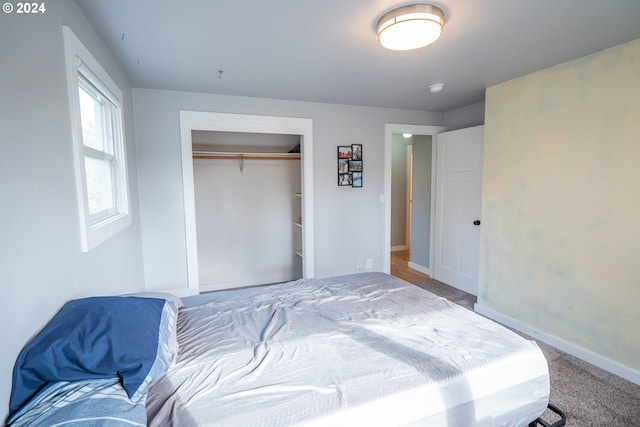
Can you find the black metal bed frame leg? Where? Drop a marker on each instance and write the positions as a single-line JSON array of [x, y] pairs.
[[560, 423]]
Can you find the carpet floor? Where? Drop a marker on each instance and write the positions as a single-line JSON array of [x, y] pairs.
[[588, 395]]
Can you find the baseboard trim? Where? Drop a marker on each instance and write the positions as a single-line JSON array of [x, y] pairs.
[[572, 349], [399, 248], [420, 268], [242, 283]]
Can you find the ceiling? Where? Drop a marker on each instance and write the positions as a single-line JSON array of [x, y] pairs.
[[327, 51]]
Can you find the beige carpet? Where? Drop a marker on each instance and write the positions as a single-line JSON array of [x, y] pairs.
[[589, 396]]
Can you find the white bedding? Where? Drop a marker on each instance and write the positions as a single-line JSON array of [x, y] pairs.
[[365, 349]]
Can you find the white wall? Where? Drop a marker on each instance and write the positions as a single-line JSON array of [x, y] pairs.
[[41, 263], [245, 222], [349, 222]]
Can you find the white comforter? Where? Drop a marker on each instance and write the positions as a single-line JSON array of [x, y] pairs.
[[359, 350]]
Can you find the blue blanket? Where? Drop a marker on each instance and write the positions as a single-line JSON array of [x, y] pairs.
[[91, 338]]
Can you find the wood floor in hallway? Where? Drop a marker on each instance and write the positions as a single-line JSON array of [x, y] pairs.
[[400, 267]]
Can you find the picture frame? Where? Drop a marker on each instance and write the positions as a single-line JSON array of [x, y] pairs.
[[344, 179], [350, 165], [356, 151], [355, 166], [356, 179], [344, 152], [343, 166]]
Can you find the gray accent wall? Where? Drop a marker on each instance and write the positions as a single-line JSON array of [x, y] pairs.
[[41, 263], [465, 117], [421, 215], [399, 184]]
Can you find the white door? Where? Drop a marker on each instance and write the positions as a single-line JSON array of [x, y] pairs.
[[458, 198]]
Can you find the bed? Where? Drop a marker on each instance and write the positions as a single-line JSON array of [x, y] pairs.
[[358, 350]]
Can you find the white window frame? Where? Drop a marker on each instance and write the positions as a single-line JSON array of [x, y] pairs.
[[96, 228]]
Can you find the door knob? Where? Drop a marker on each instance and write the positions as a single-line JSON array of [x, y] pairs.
[[476, 222]]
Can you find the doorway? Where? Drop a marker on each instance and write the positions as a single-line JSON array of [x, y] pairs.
[[393, 131], [247, 210], [456, 168], [401, 184], [225, 122], [411, 201]]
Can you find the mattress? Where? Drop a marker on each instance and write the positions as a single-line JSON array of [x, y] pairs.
[[359, 350]]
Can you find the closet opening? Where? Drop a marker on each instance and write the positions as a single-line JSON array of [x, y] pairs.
[[248, 199], [248, 211]]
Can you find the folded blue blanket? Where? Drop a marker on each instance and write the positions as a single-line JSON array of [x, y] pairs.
[[91, 338]]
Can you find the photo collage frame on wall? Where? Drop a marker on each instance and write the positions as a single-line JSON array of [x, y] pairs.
[[350, 165]]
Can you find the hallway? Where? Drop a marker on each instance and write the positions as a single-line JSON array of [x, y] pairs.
[[400, 268]]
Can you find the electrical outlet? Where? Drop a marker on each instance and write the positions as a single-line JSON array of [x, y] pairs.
[[369, 263], [359, 263]]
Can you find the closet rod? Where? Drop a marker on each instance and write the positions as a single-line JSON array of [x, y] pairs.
[[241, 156], [244, 156]]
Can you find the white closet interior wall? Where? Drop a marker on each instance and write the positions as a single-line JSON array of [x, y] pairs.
[[245, 215]]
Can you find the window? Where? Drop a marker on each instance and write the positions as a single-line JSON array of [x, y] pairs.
[[99, 146]]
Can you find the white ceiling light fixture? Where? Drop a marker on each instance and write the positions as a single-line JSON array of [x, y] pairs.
[[410, 27]]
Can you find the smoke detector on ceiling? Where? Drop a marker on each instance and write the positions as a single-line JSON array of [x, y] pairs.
[[436, 87]]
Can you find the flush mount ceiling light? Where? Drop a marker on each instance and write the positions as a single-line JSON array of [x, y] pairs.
[[410, 27]]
